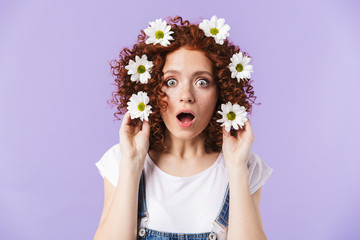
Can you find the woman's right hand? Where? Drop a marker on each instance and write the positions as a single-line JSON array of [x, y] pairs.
[[134, 141]]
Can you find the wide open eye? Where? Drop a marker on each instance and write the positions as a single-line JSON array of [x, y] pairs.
[[171, 82], [202, 83]]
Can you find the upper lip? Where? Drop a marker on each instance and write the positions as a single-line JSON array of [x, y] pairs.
[[185, 111]]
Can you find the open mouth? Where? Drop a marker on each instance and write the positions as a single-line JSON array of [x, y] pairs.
[[185, 117]]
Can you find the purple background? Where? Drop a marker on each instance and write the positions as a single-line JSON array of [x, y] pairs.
[[55, 122]]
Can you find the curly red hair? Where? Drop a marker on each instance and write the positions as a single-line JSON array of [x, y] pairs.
[[192, 37]]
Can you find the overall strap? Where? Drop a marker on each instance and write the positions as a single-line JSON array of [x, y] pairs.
[[223, 217], [142, 210]]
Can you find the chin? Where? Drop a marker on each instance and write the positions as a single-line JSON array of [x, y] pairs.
[[187, 134]]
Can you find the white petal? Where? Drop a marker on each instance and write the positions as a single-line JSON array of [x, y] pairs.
[[149, 65], [202, 25], [223, 108], [132, 71], [236, 107], [248, 68], [137, 98], [247, 60], [167, 29], [164, 42], [212, 22], [148, 109], [146, 101], [235, 126], [149, 31], [229, 107], [149, 40], [220, 23], [225, 28], [135, 77], [233, 74], [227, 127], [220, 120]]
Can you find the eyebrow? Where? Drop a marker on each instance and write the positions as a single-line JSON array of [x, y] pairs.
[[195, 74]]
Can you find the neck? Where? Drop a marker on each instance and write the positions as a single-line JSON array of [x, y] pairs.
[[185, 148]]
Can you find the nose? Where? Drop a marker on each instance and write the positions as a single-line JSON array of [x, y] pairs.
[[186, 94]]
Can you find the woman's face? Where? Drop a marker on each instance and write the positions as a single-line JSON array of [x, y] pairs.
[[191, 93]]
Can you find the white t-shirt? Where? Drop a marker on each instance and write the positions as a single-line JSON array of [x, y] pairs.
[[184, 204]]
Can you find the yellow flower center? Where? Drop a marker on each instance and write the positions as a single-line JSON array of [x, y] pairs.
[[214, 31], [231, 116], [159, 34], [141, 106], [239, 67], [141, 69]]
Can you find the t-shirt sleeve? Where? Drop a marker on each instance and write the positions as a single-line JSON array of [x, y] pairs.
[[259, 172], [109, 164]]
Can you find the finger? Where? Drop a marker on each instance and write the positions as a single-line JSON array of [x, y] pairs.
[[146, 128], [247, 130], [126, 122], [248, 127], [129, 125], [136, 122], [137, 129], [136, 125], [125, 129], [225, 133]]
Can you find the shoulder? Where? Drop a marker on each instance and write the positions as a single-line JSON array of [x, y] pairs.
[[259, 172], [109, 164]]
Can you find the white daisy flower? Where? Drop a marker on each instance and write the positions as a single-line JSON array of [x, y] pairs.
[[215, 28], [240, 67], [140, 69], [232, 116], [137, 106], [159, 32]]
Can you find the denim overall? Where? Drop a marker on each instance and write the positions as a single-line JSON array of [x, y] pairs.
[[150, 234]]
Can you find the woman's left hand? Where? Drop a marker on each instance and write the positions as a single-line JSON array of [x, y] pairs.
[[237, 149]]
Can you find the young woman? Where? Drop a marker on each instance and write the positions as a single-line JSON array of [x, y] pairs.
[[176, 172]]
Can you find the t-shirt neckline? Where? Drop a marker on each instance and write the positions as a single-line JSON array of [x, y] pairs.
[[149, 159]]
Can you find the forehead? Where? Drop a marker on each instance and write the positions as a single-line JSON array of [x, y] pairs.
[[187, 60]]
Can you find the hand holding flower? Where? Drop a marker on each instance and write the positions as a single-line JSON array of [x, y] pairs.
[[134, 135], [134, 141], [237, 149]]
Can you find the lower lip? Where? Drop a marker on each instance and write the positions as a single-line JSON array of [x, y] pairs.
[[185, 125]]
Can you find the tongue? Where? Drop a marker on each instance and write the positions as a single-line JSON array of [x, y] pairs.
[[185, 118]]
